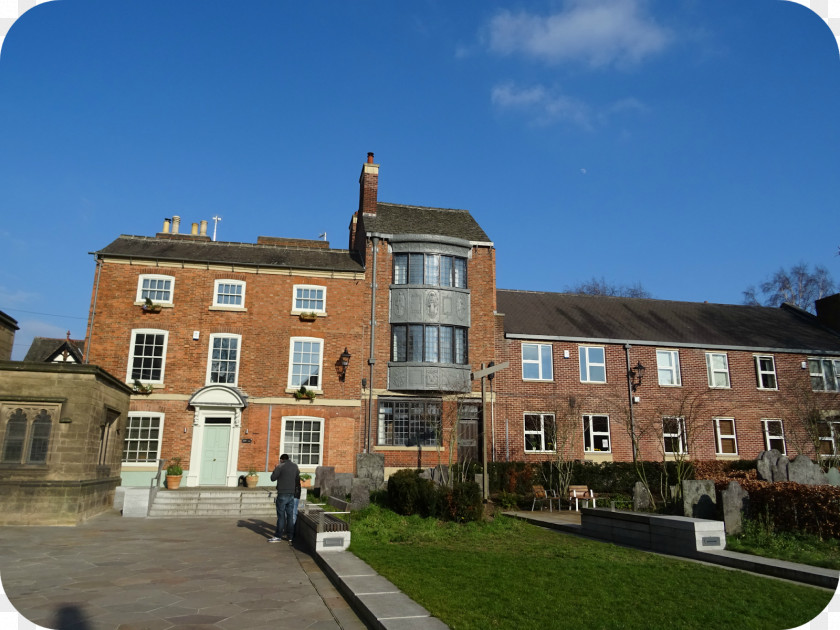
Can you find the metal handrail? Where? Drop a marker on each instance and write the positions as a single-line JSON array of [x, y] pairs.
[[154, 485]]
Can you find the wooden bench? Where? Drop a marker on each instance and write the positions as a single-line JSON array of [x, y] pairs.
[[581, 493], [542, 495]]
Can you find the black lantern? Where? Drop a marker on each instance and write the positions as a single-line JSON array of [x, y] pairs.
[[341, 364], [635, 375]]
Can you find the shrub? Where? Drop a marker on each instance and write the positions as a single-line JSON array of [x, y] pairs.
[[461, 503], [404, 491]]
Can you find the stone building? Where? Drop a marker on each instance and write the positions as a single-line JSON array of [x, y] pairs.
[[8, 327]]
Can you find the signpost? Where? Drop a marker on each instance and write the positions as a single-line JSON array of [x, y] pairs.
[[487, 372]]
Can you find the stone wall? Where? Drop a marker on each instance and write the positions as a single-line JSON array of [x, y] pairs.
[[77, 476]]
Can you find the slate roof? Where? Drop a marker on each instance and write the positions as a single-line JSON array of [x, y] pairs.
[[395, 219], [660, 322], [247, 254], [44, 349]]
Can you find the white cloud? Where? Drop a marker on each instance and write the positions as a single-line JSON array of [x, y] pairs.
[[595, 32], [11, 298], [543, 105]]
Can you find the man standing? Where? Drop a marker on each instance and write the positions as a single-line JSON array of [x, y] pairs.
[[287, 476]]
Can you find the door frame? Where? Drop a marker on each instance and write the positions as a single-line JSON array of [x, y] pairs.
[[215, 401]]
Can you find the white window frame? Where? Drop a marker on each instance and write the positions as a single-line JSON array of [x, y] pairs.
[[541, 347], [711, 371], [586, 364], [147, 331], [760, 373], [209, 372], [832, 439], [289, 383], [593, 435], [673, 369], [239, 283], [765, 429], [141, 299], [294, 454], [819, 373], [297, 310], [143, 414], [679, 435], [544, 439], [720, 437]]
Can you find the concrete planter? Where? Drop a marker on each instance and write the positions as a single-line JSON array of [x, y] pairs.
[[251, 481]]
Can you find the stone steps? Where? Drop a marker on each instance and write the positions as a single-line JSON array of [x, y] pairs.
[[212, 503]]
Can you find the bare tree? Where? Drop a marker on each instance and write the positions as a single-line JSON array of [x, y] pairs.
[[562, 438], [811, 422], [596, 286], [798, 286]]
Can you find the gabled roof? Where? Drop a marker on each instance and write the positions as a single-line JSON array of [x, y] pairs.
[[45, 349], [530, 314], [393, 219], [246, 254]]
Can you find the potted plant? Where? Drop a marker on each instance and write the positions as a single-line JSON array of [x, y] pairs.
[[304, 393], [139, 388], [304, 480], [252, 478], [309, 316], [173, 473], [151, 307]]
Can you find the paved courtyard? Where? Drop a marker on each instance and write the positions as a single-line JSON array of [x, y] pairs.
[[154, 574]]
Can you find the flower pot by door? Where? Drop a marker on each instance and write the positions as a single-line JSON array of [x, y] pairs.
[[173, 482], [251, 481]]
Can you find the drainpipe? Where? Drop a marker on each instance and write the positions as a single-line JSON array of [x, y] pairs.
[[371, 360], [630, 400], [92, 310], [268, 438]]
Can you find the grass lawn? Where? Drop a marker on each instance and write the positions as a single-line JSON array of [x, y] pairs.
[[509, 574], [760, 540]]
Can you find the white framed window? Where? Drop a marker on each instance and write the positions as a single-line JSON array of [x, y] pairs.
[[765, 372], [539, 432], [147, 355], [406, 422], [774, 435], [725, 441], [668, 367], [596, 433], [306, 355], [829, 433], [303, 440], [673, 435], [825, 374], [717, 369], [537, 362], [223, 359], [143, 433], [309, 298], [229, 293], [593, 364], [155, 287]]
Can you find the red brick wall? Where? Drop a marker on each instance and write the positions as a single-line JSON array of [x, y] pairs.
[[265, 328], [694, 399]]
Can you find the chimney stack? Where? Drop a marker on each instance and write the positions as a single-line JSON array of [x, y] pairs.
[[203, 228], [176, 223], [368, 186], [194, 230], [166, 226]]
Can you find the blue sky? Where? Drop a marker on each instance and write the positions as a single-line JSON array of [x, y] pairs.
[[692, 146]]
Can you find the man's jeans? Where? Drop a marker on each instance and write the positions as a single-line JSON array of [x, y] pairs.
[[285, 515]]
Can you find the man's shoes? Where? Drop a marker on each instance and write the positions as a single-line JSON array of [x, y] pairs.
[[273, 539], [291, 542], [284, 537]]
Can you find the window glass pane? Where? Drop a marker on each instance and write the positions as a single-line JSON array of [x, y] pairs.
[[415, 269], [446, 271], [15, 435], [546, 362], [399, 345], [460, 335], [432, 271], [415, 343], [446, 349], [400, 268], [40, 439], [460, 272], [431, 355], [224, 360], [309, 298], [306, 363], [229, 294], [147, 359], [302, 441]]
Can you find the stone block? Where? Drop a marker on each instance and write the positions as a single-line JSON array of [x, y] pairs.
[[641, 498], [735, 506], [699, 498], [371, 466], [803, 470], [766, 463], [359, 494], [324, 476], [341, 485]]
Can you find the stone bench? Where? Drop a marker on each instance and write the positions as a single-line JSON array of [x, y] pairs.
[[676, 535], [323, 531]]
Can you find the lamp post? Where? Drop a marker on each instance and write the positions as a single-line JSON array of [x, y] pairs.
[[634, 380]]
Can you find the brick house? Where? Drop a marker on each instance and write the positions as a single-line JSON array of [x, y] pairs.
[[216, 338], [708, 380]]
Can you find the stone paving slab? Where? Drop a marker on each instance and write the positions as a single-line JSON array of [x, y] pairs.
[[158, 574]]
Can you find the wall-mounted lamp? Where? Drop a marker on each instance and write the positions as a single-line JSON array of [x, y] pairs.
[[185, 429], [341, 365], [635, 375]]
